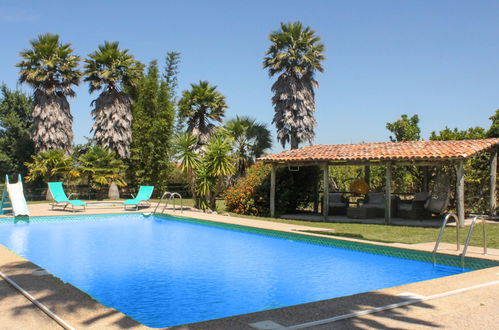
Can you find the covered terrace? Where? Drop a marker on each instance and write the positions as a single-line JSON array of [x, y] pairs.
[[389, 155]]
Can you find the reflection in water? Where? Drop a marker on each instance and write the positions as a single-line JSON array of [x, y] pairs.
[[19, 239]]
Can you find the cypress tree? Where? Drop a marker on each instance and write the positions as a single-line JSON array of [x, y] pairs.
[[152, 129], [171, 79]]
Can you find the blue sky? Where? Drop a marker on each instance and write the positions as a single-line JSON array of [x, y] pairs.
[[437, 59]]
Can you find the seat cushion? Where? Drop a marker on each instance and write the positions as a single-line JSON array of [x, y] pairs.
[[335, 198], [376, 198], [421, 197]]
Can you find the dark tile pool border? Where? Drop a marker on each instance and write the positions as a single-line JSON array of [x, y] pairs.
[[443, 259]]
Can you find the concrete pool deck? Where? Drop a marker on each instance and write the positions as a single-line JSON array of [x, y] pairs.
[[476, 308]]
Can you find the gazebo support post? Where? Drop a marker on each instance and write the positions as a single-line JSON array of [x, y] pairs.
[[426, 186], [388, 194], [493, 178], [367, 174], [272, 191], [325, 207], [460, 192], [316, 195]]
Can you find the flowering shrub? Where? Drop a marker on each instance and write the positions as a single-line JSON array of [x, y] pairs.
[[250, 195]]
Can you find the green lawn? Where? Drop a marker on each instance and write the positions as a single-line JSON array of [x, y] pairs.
[[396, 234], [379, 233]]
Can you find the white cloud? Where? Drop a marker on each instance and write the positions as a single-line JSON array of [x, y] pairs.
[[16, 15]]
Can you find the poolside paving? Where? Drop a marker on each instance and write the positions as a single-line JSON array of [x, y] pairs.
[[21, 311], [474, 309]]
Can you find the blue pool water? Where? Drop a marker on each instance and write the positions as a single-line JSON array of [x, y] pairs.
[[165, 272]]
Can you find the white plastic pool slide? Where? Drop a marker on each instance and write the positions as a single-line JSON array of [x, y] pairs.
[[16, 196]]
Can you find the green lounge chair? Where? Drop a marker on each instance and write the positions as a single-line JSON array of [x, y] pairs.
[[143, 196], [60, 197]]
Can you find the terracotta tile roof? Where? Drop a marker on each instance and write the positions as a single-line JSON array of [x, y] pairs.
[[383, 151]]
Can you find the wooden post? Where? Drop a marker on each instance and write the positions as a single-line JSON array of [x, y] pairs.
[[493, 180], [367, 174], [272, 191], [460, 192], [316, 195], [388, 194], [325, 206], [426, 186]]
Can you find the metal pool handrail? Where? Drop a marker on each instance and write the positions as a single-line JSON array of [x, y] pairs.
[[172, 196], [161, 199], [484, 219], [440, 234]]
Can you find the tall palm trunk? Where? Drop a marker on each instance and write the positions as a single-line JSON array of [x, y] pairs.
[[113, 122], [294, 104], [52, 122]]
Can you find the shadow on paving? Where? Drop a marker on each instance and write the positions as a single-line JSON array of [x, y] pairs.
[[61, 298], [311, 312]]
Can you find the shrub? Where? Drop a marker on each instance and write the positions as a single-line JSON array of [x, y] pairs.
[[247, 195], [250, 195]]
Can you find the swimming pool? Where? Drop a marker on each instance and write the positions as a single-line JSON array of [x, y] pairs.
[[163, 271]]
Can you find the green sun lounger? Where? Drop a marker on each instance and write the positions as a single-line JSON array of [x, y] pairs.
[[143, 196], [60, 197]]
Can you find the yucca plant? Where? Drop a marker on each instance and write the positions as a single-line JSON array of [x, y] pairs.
[[109, 69], [51, 68], [185, 147], [202, 106], [217, 164], [295, 54]]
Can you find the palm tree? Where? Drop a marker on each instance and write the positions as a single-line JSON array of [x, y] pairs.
[[51, 69], [201, 106], [295, 54], [251, 139], [51, 165], [110, 68], [102, 168]]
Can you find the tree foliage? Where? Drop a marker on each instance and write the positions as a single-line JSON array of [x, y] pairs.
[[295, 54], [251, 140], [405, 129], [16, 146], [456, 134], [52, 165], [476, 169], [152, 129], [51, 68], [493, 131], [186, 151], [202, 106], [100, 167], [216, 165]]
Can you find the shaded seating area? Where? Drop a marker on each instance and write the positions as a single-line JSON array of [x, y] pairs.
[[421, 154], [372, 207]]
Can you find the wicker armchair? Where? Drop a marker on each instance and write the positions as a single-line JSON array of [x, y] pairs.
[[337, 204], [415, 208]]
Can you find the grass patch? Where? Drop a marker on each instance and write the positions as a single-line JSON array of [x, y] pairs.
[[394, 234]]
